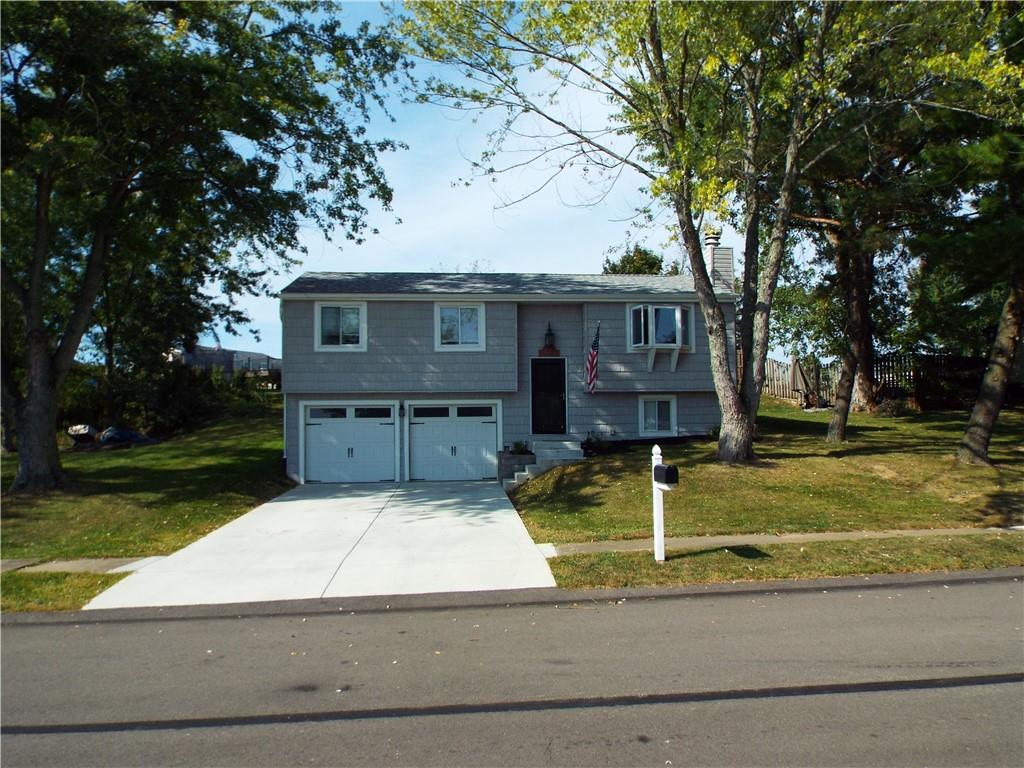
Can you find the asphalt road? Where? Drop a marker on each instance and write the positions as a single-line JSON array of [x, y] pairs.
[[871, 673]]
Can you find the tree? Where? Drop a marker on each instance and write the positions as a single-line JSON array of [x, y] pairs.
[[712, 104], [635, 260], [946, 313], [980, 245], [929, 85], [121, 120]]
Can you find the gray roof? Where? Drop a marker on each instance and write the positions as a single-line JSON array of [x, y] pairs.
[[480, 283]]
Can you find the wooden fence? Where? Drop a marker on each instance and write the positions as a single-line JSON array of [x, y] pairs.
[[822, 378], [931, 380]]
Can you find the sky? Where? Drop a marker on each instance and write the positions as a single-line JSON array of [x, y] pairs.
[[449, 227]]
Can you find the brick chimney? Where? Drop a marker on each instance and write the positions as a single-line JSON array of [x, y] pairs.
[[718, 260]]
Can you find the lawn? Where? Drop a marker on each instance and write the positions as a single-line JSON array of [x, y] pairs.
[[789, 561], [149, 500], [892, 473]]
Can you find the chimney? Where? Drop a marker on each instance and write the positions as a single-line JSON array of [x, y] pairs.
[[718, 260]]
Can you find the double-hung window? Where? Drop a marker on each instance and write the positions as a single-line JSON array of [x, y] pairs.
[[459, 328], [340, 327]]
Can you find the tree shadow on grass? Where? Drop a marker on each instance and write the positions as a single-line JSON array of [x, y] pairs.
[[743, 551], [781, 427], [1003, 508]]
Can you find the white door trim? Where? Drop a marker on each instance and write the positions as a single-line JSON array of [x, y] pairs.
[[304, 404], [410, 404]]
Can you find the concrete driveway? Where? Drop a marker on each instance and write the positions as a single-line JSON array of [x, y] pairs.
[[340, 540]]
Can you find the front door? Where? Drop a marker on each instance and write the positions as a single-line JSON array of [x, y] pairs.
[[547, 395]]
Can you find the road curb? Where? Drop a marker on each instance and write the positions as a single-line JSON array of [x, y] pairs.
[[550, 597]]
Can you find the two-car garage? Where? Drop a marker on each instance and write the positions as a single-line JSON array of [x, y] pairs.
[[357, 442]]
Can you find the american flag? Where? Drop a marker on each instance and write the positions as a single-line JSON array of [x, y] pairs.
[[592, 361]]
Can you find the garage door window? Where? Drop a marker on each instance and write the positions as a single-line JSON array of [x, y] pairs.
[[327, 413], [430, 412], [373, 413], [466, 411]]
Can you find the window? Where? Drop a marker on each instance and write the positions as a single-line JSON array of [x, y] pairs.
[[459, 327], [657, 415], [372, 413], [666, 322], [669, 327], [340, 327], [639, 322], [430, 412], [473, 411], [327, 413]]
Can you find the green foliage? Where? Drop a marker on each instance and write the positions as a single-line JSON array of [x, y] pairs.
[[170, 399], [153, 149], [635, 260], [947, 314]]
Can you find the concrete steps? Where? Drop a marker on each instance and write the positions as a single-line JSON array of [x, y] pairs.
[[548, 455]]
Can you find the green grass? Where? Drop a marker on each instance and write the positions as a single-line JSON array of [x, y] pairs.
[[893, 473], [53, 591], [149, 500], [789, 561]]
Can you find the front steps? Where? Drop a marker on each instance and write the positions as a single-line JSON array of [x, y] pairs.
[[547, 455]]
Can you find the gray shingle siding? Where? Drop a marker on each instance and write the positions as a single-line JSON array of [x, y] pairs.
[[623, 369], [399, 354], [401, 364]]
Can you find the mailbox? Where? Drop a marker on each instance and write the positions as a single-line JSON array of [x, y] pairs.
[[666, 474]]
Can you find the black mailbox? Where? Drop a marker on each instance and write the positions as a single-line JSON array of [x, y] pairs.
[[666, 474]]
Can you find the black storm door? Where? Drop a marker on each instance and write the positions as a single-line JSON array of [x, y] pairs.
[[547, 395]]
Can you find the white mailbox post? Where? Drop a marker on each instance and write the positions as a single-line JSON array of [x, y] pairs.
[[663, 478]]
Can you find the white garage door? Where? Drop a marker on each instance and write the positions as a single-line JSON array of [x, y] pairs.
[[453, 442], [350, 443]]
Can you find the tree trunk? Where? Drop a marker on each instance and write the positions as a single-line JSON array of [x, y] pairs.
[[736, 440], [992, 394], [846, 265], [863, 264], [863, 390], [7, 414], [844, 392], [38, 459]]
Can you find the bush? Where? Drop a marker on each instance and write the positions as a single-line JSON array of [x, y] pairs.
[[594, 445], [891, 407], [83, 399]]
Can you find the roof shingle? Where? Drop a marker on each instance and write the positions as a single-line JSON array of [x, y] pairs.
[[507, 283]]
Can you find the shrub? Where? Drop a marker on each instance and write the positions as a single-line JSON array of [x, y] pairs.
[[891, 407]]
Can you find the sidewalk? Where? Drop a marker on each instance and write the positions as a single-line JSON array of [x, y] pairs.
[[86, 565], [131, 565]]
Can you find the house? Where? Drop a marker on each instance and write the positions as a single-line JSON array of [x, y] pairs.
[[227, 360], [411, 376]]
